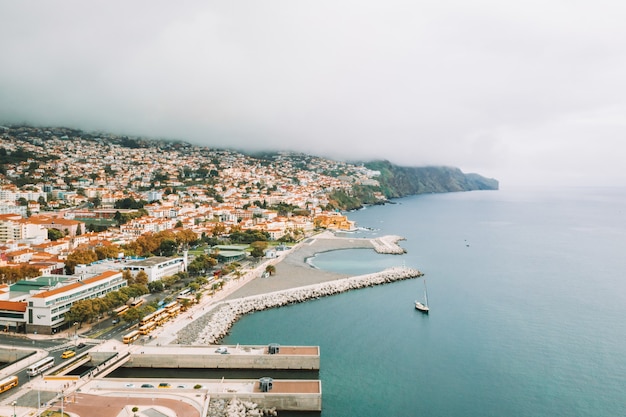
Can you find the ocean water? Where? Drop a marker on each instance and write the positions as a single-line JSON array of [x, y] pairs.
[[527, 290]]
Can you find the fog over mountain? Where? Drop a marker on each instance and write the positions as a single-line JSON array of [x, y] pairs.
[[527, 92]]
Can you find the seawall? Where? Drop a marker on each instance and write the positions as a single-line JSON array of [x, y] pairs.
[[215, 324]]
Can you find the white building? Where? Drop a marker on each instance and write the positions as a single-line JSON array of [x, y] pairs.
[[39, 304], [46, 309], [155, 267]]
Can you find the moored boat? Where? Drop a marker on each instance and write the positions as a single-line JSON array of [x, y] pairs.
[[423, 307]]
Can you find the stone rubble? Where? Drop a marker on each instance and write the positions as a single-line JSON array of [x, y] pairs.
[[237, 408], [215, 324], [388, 245]]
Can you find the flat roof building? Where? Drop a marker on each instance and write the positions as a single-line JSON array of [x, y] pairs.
[[39, 304]]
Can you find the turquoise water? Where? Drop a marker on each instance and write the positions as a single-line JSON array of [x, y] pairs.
[[528, 320]]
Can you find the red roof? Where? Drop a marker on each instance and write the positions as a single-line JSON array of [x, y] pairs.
[[104, 275], [13, 306]]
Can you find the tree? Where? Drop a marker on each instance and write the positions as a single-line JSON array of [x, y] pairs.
[[107, 252], [128, 276], [258, 249], [79, 256], [55, 234], [132, 315], [270, 269], [167, 247], [141, 278], [80, 312], [155, 286]]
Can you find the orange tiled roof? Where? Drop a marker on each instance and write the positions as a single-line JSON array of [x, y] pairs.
[[13, 306], [104, 275]]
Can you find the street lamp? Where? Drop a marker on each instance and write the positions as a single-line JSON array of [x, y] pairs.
[[14, 404]]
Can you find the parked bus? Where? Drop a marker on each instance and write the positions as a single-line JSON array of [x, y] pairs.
[[173, 312], [39, 367], [131, 337], [147, 319], [171, 305], [147, 328], [138, 302], [8, 383], [120, 310], [161, 318]]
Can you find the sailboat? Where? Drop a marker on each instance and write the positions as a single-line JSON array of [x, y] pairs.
[[423, 307]]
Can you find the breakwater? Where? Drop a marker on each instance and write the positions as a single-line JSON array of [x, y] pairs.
[[388, 245], [215, 324]]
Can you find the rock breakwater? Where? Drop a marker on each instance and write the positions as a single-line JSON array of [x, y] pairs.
[[215, 324], [388, 245]]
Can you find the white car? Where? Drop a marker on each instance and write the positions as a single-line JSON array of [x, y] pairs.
[[223, 350]]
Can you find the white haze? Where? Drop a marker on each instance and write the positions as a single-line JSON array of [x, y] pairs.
[[527, 92]]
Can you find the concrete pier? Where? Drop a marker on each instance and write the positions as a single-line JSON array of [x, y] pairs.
[[233, 357]]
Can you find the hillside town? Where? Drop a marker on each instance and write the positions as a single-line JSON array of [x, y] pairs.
[[65, 192]]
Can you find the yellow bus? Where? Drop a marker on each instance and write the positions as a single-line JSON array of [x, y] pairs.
[[8, 383], [147, 328], [147, 319], [173, 312], [137, 303], [171, 305], [162, 317], [120, 310], [131, 337]]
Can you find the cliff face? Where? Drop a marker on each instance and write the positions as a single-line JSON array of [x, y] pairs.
[[396, 181]]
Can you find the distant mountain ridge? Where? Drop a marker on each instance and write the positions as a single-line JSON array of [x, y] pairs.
[[398, 181]]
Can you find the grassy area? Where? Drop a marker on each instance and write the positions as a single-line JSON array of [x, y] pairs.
[[51, 413]]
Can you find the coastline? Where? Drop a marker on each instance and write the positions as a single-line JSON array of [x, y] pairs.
[[295, 281]]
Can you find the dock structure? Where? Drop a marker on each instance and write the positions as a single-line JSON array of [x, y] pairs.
[[84, 390], [227, 357], [287, 395]]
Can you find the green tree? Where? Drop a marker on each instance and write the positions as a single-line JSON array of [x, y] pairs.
[[80, 312], [155, 286], [258, 249], [55, 234]]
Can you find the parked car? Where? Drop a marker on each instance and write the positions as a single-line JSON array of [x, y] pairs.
[[165, 385], [147, 386]]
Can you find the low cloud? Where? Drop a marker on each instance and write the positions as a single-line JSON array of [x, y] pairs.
[[527, 93]]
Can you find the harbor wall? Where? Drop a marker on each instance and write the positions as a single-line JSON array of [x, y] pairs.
[[219, 320], [217, 361]]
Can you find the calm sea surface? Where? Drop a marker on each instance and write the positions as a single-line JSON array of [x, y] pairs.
[[528, 320]]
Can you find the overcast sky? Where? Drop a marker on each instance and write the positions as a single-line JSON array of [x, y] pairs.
[[527, 92]]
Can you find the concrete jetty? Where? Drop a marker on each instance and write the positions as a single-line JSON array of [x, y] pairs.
[[220, 319]]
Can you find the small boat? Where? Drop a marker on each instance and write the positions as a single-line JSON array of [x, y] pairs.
[[423, 307]]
